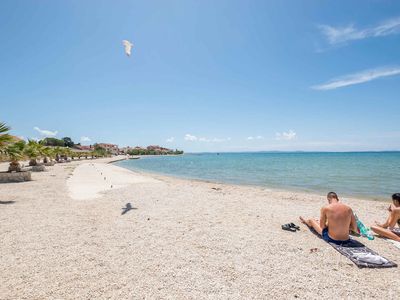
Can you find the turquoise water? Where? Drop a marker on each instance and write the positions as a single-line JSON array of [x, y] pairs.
[[373, 175]]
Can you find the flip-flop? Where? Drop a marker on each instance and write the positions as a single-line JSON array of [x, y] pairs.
[[292, 225], [288, 228]]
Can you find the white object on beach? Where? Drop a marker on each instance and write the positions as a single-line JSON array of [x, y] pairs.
[[128, 47], [370, 258]]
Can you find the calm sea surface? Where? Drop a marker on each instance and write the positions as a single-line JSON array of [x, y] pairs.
[[373, 175]]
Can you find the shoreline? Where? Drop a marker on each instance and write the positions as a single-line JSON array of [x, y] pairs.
[[277, 189]]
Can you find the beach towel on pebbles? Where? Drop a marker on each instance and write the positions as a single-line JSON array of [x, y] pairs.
[[360, 255]]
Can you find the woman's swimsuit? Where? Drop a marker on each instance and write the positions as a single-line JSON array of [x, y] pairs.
[[327, 238]]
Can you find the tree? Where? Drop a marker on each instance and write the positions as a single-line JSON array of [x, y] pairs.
[[68, 142], [33, 151], [57, 153], [47, 153], [67, 153], [15, 152], [52, 142], [5, 138]]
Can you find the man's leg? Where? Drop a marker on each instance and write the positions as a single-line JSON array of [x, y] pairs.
[[312, 223], [385, 233]]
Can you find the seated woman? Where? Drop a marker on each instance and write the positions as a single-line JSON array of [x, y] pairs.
[[388, 229]]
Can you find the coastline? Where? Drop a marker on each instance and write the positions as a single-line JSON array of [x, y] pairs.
[[182, 239], [272, 188]]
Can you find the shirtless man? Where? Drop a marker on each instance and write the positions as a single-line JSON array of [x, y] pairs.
[[338, 216], [388, 228]]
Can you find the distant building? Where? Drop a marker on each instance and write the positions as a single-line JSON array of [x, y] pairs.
[[125, 150], [84, 148], [112, 148], [158, 149]]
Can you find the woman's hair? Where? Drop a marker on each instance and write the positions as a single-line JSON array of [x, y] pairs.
[[396, 197]]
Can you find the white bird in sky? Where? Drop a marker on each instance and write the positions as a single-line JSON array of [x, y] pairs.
[[128, 47]]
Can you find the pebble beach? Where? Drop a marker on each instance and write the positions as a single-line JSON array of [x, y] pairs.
[[63, 236]]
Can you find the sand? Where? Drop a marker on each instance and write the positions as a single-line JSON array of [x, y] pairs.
[[90, 180], [183, 240]]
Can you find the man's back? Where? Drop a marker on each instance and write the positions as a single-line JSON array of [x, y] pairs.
[[339, 218]]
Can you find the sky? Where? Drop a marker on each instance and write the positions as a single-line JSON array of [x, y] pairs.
[[204, 76]]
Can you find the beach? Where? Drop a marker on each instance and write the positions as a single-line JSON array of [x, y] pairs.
[[64, 237]]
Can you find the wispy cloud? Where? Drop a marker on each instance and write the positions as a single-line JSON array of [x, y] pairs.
[[193, 138], [340, 35], [258, 137], [219, 140], [170, 140], [287, 136], [46, 133], [357, 78], [85, 139], [189, 137]]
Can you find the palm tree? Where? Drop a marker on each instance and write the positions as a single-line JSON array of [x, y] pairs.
[[33, 151], [42, 151], [15, 152], [57, 153], [65, 153], [48, 153], [5, 138]]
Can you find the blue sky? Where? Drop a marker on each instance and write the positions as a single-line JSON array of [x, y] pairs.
[[204, 75]]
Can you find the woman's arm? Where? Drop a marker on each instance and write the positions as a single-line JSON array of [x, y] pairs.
[[390, 221]]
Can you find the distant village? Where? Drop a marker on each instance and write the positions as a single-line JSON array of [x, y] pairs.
[[112, 149]]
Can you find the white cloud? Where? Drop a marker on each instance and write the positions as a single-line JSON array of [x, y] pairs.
[[220, 140], [339, 35], [258, 137], [170, 140], [85, 139], [357, 78], [290, 135], [189, 137], [46, 133], [192, 138]]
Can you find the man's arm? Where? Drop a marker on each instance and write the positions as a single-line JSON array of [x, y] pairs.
[[353, 224], [323, 218]]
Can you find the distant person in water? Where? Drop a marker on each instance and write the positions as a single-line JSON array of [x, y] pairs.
[[336, 220], [388, 229]]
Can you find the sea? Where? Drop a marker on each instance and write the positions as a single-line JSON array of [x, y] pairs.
[[372, 175]]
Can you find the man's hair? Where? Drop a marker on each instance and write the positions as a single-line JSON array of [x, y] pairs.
[[332, 195], [396, 196]]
